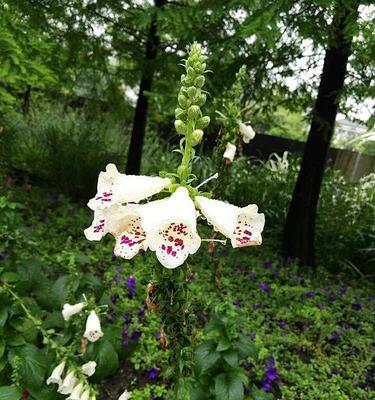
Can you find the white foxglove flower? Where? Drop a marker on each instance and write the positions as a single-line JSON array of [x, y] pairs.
[[89, 368], [68, 383], [114, 187], [85, 395], [230, 152], [243, 226], [93, 330], [171, 228], [76, 393], [70, 310], [56, 374], [247, 132], [125, 396]]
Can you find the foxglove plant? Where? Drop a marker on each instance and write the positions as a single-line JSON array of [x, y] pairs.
[[123, 207]]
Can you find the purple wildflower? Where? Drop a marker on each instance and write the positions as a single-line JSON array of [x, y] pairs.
[[125, 342], [152, 374], [157, 335], [119, 269], [264, 287], [252, 276], [309, 294], [270, 376], [136, 335], [125, 331], [320, 306], [268, 264], [141, 311], [114, 298], [253, 335], [356, 307], [334, 337], [237, 303], [281, 324], [131, 284], [117, 278]]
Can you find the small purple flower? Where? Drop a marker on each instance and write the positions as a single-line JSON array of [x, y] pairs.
[[136, 335], [157, 335], [309, 294], [356, 307], [264, 287], [118, 268], [152, 374], [125, 317], [131, 284], [237, 303], [342, 291], [268, 264], [281, 324], [252, 276], [114, 298], [334, 337], [270, 376], [253, 335], [117, 278], [125, 331], [141, 311], [125, 342], [320, 306]]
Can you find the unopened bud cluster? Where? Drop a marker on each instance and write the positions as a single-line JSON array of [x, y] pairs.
[[189, 119]]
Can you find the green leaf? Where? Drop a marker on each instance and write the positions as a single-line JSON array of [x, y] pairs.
[[10, 277], [105, 356], [32, 364], [2, 347], [259, 394], [228, 387], [224, 344], [3, 316], [231, 357], [10, 393], [16, 341], [247, 347], [206, 355]]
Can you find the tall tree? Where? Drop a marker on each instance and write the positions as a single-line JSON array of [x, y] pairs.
[[300, 224], [140, 116]]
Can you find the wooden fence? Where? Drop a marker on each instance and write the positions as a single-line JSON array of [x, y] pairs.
[[352, 164]]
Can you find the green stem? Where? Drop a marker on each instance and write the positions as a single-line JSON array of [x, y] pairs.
[[186, 159]]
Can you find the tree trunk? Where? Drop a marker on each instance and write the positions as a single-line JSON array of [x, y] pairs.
[[140, 117], [298, 241], [26, 100]]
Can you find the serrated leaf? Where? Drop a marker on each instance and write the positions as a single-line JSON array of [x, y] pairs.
[[224, 344], [247, 348], [206, 355], [231, 357], [228, 386]]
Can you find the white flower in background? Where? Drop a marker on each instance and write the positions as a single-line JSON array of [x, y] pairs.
[[247, 132], [279, 164], [76, 393], [56, 374], [171, 228], [86, 395], [89, 368], [230, 152], [243, 226], [93, 330], [70, 310], [125, 396], [68, 383], [116, 188]]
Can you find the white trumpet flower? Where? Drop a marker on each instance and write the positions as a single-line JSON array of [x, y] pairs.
[[70, 310], [68, 383], [89, 368], [93, 330], [76, 393], [171, 228], [115, 188], [125, 396], [56, 374], [85, 395], [230, 152], [246, 131], [243, 226]]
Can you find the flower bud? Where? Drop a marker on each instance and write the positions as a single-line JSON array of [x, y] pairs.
[[179, 112], [196, 137], [193, 112], [230, 152], [180, 127], [93, 330], [70, 310], [202, 122], [199, 81], [192, 92], [201, 100], [182, 101]]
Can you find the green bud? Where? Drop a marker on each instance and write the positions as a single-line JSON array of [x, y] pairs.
[[199, 81], [202, 122], [183, 171], [192, 92], [196, 137], [191, 73], [183, 101], [193, 112], [179, 113], [201, 100], [180, 127]]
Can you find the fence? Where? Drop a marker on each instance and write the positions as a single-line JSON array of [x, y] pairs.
[[352, 164]]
